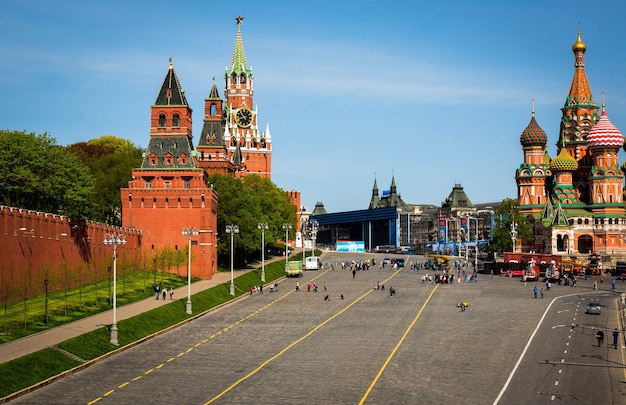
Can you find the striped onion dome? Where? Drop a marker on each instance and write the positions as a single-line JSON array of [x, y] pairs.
[[604, 134], [533, 135], [564, 162]]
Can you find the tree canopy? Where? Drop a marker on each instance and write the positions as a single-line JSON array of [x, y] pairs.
[[505, 214], [246, 202], [111, 161], [38, 174]]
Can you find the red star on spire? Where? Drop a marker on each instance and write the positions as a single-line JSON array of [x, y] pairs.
[[239, 19]]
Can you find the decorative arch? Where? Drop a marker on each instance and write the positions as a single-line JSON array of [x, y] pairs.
[[585, 244]]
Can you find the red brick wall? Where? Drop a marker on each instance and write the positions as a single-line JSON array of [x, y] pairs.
[[160, 214], [40, 244]]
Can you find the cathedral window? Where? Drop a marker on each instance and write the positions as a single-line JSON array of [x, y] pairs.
[[161, 120], [242, 78], [213, 109], [187, 184], [176, 120], [148, 183], [167, 185], [233, 79]]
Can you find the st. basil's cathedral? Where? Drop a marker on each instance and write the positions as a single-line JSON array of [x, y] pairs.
[[574, 201]]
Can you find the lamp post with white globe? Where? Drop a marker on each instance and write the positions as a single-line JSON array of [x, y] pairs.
[[263, 227], [232, 230], [189, 231], [114, 239], [286, 227]]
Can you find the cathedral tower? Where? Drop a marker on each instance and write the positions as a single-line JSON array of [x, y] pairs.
[[579, 114], [605, 182], [532, 175]]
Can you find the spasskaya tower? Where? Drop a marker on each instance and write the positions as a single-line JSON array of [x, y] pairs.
[[231, 140]]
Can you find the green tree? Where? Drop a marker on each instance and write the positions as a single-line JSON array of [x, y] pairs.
[[119, 145], [505, 214], [37, 174], [246, 202], [111, 161]]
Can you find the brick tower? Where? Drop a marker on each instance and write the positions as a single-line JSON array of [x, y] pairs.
[[169, 191], [231, 140]]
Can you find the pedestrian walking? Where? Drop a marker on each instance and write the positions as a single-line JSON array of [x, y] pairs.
[[325, 286], [164, 293], [297, 286], [600, 337], [171, 293], [535, 291], [613, 284], [541, 293], [353, 273], [157, 291], [615, 336]]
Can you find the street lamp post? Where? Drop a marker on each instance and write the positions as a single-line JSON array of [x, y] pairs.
[[314, 227], [476, 244], [513, 233], [286, 227], [45, 317], [189, 231], [232, 230], [262, 226], [114, 239]]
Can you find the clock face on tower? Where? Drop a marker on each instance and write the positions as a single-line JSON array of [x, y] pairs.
[[243, 118]]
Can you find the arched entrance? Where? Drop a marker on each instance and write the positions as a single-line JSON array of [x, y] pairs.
[[585, 244], [562, 243]]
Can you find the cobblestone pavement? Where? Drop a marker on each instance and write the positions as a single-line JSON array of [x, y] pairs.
[[290, 347]]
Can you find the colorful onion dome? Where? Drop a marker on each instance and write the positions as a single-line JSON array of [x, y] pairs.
[[579, 45], [564, 162], [533, 135], [604, 134]]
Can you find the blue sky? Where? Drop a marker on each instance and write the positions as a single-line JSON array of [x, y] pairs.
[[435, 93]]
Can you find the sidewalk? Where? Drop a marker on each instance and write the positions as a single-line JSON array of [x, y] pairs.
[[30, 344]]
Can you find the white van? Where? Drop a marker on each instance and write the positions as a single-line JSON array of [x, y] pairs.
[[313, 263]]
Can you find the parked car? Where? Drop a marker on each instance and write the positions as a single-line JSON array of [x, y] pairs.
[[594, 307]]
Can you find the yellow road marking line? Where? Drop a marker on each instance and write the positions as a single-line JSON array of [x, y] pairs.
[[294, 343], [395, 349]]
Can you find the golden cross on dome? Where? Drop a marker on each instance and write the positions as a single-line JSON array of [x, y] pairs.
[[239, 19]]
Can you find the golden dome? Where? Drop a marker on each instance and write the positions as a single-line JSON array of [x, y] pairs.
[[579, 45], [564, 162]]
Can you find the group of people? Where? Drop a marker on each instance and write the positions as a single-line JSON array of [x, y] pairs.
[[158, 291], [259, 289]]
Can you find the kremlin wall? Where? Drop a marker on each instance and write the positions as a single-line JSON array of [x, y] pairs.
[[40, 244]]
